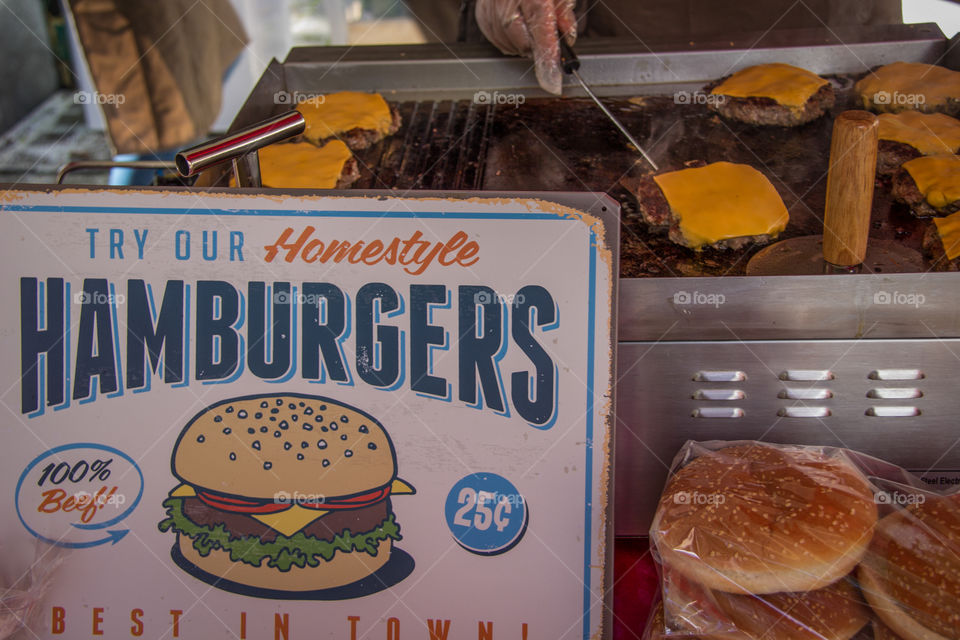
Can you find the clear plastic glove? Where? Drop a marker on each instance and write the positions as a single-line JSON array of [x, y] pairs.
[[522, 27]]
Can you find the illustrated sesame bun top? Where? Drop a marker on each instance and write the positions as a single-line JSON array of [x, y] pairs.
[[911, 575], [261, 445], [764, 519]]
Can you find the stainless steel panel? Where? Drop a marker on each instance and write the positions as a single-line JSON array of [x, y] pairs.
[[616, 67], [909, 414], [916, 305]]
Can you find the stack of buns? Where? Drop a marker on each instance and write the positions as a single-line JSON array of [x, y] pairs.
[[760, 541]]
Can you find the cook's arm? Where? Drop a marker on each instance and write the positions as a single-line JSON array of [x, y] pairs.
[[524, 27]]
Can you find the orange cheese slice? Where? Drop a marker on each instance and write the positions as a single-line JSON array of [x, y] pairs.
[[334, 114], [301, 165], [937, 178], [790, 86], [908, 85], [928, 133], [721, 201], [291, 520], [949, 230]]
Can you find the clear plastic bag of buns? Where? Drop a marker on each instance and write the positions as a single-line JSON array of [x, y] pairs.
[[788, 542]]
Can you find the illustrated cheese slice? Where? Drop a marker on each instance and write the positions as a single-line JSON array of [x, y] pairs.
[[949, 230], [908, 85], [399, 487], [301, 165], [928, 133], [291, 520], [334, 114], [937, 178], [790, 86], [721, 201], [183, 491]]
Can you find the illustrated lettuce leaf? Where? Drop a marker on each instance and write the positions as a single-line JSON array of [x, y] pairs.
[[298, 550]]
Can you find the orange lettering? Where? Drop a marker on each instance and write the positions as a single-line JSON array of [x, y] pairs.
[[453, 243], [243, 625], [58, 614], [97, 621], [51, 500], [485, 631], [390, 255], [176, 613], [338, 247], [393, 629], [468, 251], [355, 253], [136, 618], [281, 626], [314, 245], [371, 253], [281, 243], [353, 626], [438, 629]]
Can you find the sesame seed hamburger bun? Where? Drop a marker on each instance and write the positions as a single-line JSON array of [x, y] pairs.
[[758, 519], [883, 632], [911, 574], [835, 612], [262, 446], [832, 613], [283, 493]]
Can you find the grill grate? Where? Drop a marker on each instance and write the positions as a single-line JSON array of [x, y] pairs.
[[442, 146]]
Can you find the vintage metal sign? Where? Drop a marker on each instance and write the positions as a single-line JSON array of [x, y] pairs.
[[303, 417]]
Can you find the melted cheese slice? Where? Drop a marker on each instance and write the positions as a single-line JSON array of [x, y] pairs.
[[908, 85], [336, 113], [949, 230], [790, 86], [937, 178], [721, 201], [928, 133], [301, 165], [291, 520]]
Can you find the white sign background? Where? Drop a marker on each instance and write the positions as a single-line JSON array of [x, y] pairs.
[[549, 585]]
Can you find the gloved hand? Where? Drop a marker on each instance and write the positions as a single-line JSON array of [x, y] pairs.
[[521, 27]]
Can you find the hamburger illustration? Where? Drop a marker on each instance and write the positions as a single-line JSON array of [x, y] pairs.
[[284, 492]]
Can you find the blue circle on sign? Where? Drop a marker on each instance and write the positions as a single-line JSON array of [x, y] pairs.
[[486, 514]]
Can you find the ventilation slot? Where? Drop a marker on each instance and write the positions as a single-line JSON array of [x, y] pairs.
[[893, 412], [719, 394], [718, 412], [806, 375], [895, 393], [896, 374], [805, 394], [804, 412], [720, 376]]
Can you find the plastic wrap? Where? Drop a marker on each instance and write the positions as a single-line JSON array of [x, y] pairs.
[[531, 27], [756, 540], [21, 594]]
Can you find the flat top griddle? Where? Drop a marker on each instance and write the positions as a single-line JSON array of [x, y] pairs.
[[568, 145]]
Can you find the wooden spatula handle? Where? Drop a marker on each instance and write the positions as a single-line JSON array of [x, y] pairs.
[[850, 179]]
